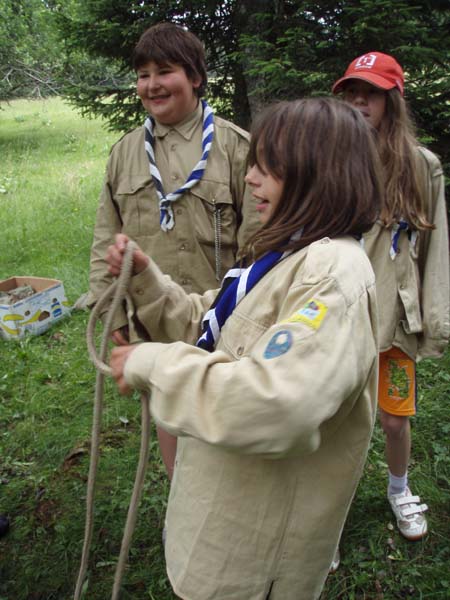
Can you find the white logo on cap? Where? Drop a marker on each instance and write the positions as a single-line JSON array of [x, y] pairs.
[[366, 61]]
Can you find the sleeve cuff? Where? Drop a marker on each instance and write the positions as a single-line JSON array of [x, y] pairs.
[[140, 364], [148, 286]]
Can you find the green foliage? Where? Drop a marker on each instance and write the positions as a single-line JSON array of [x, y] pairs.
[[29, 49], [261, 51], [99, 88], [267, 51], [304, 48]]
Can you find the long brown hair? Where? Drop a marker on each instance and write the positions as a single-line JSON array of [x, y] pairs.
[[404, 196], [170, 43], [323, 151]]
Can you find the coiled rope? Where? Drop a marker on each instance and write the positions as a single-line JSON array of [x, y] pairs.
[[118, 292]]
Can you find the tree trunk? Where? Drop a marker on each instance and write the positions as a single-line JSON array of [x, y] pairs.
[[249, 22]]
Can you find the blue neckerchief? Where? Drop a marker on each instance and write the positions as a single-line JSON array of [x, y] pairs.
[[397, 228], [167, 220]]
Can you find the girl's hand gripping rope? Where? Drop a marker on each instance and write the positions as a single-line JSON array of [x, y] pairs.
[[115, 254], [119, 357], [114, 258]]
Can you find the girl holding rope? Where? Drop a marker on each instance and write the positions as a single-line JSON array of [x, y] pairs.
[[272, 391]]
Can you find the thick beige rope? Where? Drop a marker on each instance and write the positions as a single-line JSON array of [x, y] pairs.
[[118, 292]]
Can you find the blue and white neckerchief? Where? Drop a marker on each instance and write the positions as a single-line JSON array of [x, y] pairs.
[[235, 286], [397, 228], [166, 217]]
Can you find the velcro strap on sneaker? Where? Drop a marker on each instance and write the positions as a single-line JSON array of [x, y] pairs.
[[414, 510], [407, 500]]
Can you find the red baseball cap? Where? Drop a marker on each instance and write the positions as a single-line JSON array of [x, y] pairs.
[[381, 70]]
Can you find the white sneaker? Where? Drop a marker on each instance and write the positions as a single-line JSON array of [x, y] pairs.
[[408, 511], [335, 562]]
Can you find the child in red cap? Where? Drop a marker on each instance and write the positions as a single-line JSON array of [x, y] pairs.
[[408, 248]]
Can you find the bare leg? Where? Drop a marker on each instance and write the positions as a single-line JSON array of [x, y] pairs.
[[168, 448], [410, 518], [398, 442]]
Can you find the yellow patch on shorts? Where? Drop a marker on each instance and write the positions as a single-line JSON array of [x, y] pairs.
[[311, 314]]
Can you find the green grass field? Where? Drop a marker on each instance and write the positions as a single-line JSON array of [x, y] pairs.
[[51, 169]]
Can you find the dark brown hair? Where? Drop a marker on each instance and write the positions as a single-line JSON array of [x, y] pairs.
[[405, 197], [323, 151], [170, 43]]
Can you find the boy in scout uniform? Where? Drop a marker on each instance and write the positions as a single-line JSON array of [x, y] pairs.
[[176, 184]]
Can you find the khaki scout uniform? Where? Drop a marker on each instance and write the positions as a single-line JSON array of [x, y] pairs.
[[413, 289], [276, 422], [212, 219]]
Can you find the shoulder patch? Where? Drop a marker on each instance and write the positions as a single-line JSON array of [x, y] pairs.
[[312, 314], [278, 344]]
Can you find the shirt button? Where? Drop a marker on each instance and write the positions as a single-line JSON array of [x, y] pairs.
[[184, 281], [183, 247], [139, 291], [402, 286], [240, 351], [173, 147], [179, 211], [174, 177]]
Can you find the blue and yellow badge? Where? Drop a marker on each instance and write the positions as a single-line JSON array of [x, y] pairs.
[[279, 344], [311, 314]]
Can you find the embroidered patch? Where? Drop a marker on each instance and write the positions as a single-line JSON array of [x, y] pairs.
[[311, 314], [279, 344]]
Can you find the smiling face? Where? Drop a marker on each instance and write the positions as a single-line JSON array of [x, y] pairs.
[[266, 190], [368, 99], [166, 92]]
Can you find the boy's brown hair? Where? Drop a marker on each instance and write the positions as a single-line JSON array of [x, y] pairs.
[[170, 43], [324, 152]]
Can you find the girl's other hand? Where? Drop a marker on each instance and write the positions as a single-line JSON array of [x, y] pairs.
[[115, 253], [121, 337], [117, 362]]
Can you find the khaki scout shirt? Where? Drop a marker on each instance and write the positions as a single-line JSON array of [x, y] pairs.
[[275, 423], [413, 289], [212, 219]]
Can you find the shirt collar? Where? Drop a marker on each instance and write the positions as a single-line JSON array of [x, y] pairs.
[[185, 128]]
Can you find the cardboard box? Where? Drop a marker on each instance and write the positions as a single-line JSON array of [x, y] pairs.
[[35, 314]]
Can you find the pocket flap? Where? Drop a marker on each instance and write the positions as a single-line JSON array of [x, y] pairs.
[[212, 192], [133, 183]]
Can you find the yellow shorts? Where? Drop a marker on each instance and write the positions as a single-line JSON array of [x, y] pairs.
[[397, 383]]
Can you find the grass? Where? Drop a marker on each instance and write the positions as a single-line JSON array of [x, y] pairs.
[[50, 177]]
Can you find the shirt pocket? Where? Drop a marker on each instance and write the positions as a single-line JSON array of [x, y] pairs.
[[138, 205], [409, 288], [240, 334], [215, 217]]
